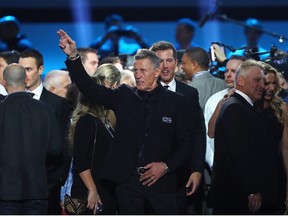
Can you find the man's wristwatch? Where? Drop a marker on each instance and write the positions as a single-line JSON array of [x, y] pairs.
[[166, 169]]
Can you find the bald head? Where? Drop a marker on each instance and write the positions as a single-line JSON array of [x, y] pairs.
[[14, 76]]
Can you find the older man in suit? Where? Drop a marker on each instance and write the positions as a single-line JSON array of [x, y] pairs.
[[28, 132], [244, 179], [32, 61], [151, 136], [190, 175]]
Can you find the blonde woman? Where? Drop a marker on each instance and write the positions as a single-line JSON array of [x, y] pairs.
[[110, 77], [275, 114], [89, 121]]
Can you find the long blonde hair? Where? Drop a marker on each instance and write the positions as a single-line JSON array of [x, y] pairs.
[[276, 102], [85, 105]]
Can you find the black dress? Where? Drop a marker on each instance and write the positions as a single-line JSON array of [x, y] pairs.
[[274, 129], [82, 159]]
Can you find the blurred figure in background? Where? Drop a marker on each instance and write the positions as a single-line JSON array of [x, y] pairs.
[[10, 36], [185, 32], [253, 33], [118, 39]]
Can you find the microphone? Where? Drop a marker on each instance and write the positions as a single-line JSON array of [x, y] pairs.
[[209, 14]]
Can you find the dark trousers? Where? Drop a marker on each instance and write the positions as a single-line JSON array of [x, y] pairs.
[[25, 207], [54, 207], [231, 208], [132, 197]]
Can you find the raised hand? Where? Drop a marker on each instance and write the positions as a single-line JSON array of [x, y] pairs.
[[67, 44]]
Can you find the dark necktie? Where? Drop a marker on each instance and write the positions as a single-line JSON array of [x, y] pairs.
[[31, 94], [166, 86]]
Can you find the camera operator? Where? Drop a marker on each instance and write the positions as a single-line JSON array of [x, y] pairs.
[[118, 39], [252, 33]]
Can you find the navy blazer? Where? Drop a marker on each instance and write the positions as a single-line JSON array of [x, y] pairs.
[[165, 137], [28, 132]]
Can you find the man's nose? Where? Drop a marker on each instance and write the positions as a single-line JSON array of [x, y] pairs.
[[164, 64]]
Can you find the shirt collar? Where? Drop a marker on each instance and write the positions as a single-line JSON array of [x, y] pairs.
[[37, 91], [246, 97], [172, 85], [199, 73]]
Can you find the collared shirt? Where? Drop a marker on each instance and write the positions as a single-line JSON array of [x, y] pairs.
[[37, 92], [200, 73], [3, 90], [246, 97], [209, 109], [172, 85], [149, 101]]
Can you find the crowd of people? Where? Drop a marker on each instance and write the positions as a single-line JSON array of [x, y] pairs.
[[162, 136]]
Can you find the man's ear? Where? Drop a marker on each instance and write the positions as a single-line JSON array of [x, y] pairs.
[[4, 83], [40, 70], [241, 81], [194, 65], [158, 71], [52, 89]]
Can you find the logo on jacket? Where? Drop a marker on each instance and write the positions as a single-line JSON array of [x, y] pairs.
[[166, 120]]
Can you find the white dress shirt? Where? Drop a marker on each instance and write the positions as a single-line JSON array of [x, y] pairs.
[[37, 92]]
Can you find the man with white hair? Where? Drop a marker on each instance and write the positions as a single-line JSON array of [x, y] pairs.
[[57, 82]]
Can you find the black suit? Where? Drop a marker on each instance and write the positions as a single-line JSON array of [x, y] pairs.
[[245, 162], [197, 158], [157, 124], [197, 162], [28, 132], [58, 166]]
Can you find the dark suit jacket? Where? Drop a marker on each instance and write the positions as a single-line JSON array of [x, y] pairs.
[[198, 131], [244, 162], [28, 132], [165, 137], [58, 167]]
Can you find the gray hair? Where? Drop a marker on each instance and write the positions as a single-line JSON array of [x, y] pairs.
[[243, 68], [51, 78], [148, 54]]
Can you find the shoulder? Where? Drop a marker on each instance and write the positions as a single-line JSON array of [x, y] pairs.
[[52, 98], [218, 95], [185, 87], [284, 108], [87, 118], [175, 98]]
